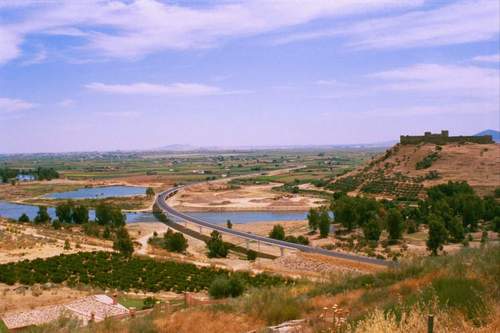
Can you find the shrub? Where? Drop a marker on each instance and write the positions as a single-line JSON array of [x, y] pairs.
[[24, 218], [123, 243], [42, 216], [175, 241], [223, 287], [149, 302], [274, 305], [56, 224], [251, 255], [216, 246], [278, 232]]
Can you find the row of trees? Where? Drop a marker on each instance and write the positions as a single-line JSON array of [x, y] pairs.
[[319, 219], [39, 173], [109, 218]]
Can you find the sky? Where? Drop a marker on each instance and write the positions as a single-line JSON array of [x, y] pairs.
[[86, 75]]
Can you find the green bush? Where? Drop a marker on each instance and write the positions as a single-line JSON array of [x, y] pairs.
[[216, 246], [175, 241], [223, 287], [251, 255]]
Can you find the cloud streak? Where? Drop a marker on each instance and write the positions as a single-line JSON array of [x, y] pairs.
[[174, 89], [132, 29], [456, 23], [8, 105]]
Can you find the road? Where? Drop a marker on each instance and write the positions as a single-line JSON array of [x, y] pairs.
[[162, 203]]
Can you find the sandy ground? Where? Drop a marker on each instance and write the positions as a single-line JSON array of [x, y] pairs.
[[220, 197], [20, 242]]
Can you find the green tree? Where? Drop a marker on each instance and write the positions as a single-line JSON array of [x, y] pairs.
[[395, 224], [278, 232], [346, 213], [437, 234], [216, 246], [64, 212], [123, 243], [24, 218], [106, 234], [372, 229], [472, 211], [67, 245], [80, 215], [324, 223], [229, 224], [496, 224], [150, 192], [456, 229], [175, 241], [42, 216], [313, 219]]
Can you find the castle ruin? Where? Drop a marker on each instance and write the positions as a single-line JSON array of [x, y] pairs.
[[443, 138]]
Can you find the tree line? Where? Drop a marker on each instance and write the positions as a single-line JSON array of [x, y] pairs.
[[40, 173]]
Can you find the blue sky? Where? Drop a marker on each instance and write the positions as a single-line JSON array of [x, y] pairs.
[[82, 75]]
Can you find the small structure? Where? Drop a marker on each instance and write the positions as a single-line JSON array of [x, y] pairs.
[[443, 138], [89, 309]]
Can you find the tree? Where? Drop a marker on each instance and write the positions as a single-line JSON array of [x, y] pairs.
[[437, 234], [123, 243], [42, 216], [106, 234], [496, 224], [64, 212], [108, 214], [175, 241], [372, 230], [150, 192], [346, 213], [80, 214], [472, 211], [456, 229], [67, 245], [24, 218], [229, 224], [216, 246], [278, 232], [313, 219], [395, 224], [324, 223]]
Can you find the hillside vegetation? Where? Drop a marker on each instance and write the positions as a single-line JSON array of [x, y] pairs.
[[461, 291], [405, 170]]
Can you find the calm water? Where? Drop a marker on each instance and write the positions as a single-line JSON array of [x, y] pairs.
[[249, 217], [13, 211], [99, 192]]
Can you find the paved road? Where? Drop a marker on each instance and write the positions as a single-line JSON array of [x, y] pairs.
[[161, 202]]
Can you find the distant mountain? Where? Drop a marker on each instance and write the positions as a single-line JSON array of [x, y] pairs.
[[493, 133], [178, 147]]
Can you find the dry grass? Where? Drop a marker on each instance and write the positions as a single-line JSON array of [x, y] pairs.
[[204, 320]]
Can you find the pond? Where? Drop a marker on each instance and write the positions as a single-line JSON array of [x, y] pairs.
[[13, 211], [99, 192]]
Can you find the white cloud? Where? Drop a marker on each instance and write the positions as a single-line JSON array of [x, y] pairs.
[[174, 89], [66, 103], [119, 114], [456, 23], [488, 58], [463, 81], [13, 105], [130, 29], [9, 42]]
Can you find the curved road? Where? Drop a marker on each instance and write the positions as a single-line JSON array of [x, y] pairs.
[[161, 202]]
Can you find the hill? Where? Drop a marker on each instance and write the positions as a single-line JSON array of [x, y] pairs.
[[495, 134], [405, 170]]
